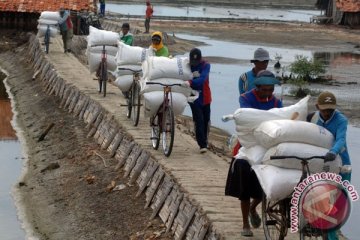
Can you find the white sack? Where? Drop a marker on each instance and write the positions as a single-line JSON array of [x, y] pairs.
[[271, 133], [50, 15], [247, 119], [254, 155], [120, 72], [94, 60], [42, 30], [45, 21], [163, 67], [186, 91], [277, 183], [301, 150], [101, 37], [110, 50], [124, 82], [153, 100], [131, 54]]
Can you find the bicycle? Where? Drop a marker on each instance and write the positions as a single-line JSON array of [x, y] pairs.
[[47, 37], [101, 73], [133, 97], [163, 122], [276, 215]]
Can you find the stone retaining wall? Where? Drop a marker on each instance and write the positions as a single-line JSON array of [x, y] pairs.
[[163, 195]]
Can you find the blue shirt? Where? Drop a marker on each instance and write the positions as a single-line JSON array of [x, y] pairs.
[[246, 82], [251, 100], [202, 83], [337, 125]]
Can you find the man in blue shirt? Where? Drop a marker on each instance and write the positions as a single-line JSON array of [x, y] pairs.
[[242, 181], [260, 60], [330, 118]]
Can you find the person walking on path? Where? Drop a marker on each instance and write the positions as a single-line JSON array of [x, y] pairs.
[[200, 108], [260, 60], [246, 81], [148, 15], [333, 120], [242, 181], [66, 29], [126, 36], [102, 8], [158, 45]]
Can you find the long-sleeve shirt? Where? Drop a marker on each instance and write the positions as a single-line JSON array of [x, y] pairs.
[[128, 39], [65, 21], [202, 83], [337, 125], [246, 81], [251, 100]]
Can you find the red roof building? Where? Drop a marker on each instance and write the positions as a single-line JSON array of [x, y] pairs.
[[37, 6]]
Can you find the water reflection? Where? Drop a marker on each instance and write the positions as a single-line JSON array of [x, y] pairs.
[[6, 130], [10, 168]]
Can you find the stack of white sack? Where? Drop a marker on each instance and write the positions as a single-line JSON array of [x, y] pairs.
[[165, 71], [248, 119], [96, 40], [128, 57], [282, 137], [50, 19]]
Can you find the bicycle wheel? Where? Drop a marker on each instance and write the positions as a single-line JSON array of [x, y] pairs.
[[168, 131], [129, 101], [47, 40], [99, 76], [135, 104], [274, 219], [104, 77], [155, 131]]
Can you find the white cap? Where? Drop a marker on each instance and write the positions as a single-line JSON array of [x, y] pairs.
[[260, 54]]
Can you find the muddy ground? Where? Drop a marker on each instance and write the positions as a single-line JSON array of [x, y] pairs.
[[66, 190]]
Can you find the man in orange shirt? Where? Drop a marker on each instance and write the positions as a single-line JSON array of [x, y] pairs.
[[148, 14]]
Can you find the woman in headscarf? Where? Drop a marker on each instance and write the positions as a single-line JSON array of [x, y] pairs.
[[158, 46]]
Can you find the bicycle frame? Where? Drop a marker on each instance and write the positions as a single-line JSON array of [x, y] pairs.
[[164, 111], [133, 99], [284, 204]]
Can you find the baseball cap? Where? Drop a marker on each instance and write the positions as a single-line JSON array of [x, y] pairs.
[[326, 100], [260, 54], [195, 56], [265, 77], [126, 26]]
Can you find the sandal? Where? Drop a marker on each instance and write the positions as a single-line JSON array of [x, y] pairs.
[[247, 233], [255, 219]]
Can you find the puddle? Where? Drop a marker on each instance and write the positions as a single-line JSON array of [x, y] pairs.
[[10, 170], [215, 12]]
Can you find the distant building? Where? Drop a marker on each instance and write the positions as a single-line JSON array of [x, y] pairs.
[[24, 14], [344, 12]]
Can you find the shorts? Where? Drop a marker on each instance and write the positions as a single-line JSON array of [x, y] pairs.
[[242, 181]]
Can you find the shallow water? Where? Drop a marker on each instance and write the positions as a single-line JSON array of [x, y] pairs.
[[10, 169], [214, 12]]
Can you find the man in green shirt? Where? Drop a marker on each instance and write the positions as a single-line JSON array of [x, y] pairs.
[[125, 36]]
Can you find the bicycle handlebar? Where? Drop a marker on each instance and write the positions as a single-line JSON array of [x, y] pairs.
[[163, 84], [132, 70], [296, 157], [103, 45]]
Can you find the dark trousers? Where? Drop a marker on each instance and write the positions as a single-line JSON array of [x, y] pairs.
[[102, 9], [201, 118], [147, 24]]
